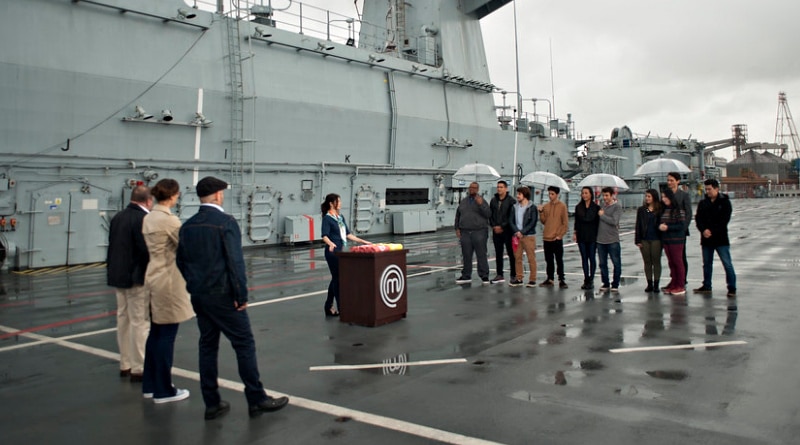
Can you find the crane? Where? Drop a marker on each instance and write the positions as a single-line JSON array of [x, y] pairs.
[[785, 130]]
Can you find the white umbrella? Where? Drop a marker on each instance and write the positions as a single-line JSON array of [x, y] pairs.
[[661, 166], [604, 180], [544, 180], [476, 172]]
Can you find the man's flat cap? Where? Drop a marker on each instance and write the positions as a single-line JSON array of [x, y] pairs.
[[210, 185]]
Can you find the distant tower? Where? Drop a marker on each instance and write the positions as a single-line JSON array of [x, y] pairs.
[[785, 131], [739, 138]]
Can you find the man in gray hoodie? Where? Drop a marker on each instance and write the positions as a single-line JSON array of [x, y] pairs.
[[608, 240], [472, 230]]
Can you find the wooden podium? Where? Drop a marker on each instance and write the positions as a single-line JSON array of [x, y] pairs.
[[372, 286]]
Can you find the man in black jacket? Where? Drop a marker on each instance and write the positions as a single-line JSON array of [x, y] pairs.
[[501, 231], [211, 261], [126, 265], [713, 215]]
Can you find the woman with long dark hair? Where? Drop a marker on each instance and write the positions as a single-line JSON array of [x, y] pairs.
[[584, 233], [335, 234], [169, 300], [673, 238], [648, 238]]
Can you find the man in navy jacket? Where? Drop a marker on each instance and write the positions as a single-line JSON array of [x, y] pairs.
[[211, 261], [713, 215]]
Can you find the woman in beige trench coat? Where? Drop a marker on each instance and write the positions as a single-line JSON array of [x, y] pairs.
[[169, 300]]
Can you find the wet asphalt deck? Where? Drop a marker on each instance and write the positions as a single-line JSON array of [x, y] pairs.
[[58, 378]]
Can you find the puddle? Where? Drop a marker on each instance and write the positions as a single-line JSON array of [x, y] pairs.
[[668, 374], [637, 392], [563, 378]]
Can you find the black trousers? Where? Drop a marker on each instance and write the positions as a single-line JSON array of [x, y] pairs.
[[500, 241], [554, 257]]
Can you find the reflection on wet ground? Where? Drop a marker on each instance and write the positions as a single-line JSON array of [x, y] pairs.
[[529, 353]]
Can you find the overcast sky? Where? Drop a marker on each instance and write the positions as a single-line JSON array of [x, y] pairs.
[[685, 67]]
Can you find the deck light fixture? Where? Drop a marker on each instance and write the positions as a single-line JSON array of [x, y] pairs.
[[166, 115], [323, 47], [418, 69], [200, 120], [185, 14], [141, 114], [375, 58], [261, 32]]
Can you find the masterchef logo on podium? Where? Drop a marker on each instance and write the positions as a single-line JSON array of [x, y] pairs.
[[392, 283]]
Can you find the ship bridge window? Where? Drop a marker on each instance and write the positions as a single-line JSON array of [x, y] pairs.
[[407, 196]]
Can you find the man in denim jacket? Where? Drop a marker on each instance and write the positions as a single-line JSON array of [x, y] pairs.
[[211, 261]]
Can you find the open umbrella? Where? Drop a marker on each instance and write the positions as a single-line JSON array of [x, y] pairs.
[[544, 180], [661, 166], [604, 180], [476, 172]]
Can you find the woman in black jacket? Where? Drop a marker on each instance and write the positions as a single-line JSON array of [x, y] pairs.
[[585, 234], [648, 238]]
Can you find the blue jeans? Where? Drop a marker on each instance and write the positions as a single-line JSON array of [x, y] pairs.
[[603, 251], [588, 259], [724, 253], [158, 355], [216, 314]]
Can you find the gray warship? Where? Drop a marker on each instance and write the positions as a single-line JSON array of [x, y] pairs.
[[286, 105]]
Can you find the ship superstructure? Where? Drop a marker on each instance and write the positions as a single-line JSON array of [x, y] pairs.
[[286, 105]]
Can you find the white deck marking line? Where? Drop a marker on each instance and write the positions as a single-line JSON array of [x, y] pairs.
[[327, 409], [54, 339], [671, 347], [383, 365], [289, 298]]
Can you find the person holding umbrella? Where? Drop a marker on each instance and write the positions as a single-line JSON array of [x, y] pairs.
[[556, 223], [584, 234], [501, 230], [608, 240], [683, 201]]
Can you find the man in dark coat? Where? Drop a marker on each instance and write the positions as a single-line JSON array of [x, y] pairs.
[[501, 230], [126, 265], [713, 215], [211, 261]]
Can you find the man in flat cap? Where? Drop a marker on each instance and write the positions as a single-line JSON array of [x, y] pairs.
[[211, 261]]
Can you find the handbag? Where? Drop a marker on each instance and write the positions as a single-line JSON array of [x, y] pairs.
[[515, 243]]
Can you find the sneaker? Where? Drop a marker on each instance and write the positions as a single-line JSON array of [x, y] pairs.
[[180, 394], [464, 280], [614, 289], [515, 282], [498, 279], [702, 290], [485, 281], [666, 290], [531, 284], [147, 395], [678, 292], [547, 283], [731, 293], [562, 285], [604, 287]]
